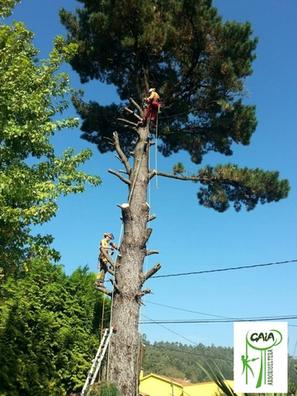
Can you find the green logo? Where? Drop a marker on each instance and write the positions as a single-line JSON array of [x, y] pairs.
[[257, 363]]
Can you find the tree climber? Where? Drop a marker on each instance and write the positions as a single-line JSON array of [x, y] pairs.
[[152, 108], [104, 262]]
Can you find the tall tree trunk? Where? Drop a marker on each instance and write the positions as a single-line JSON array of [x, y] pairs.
[[124, 347]]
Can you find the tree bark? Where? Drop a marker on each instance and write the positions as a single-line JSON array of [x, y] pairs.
[[124, 345]]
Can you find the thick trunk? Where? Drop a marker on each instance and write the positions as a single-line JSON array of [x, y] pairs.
[[124, 348]]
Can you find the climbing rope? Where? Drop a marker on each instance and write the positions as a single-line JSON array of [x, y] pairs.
[[102, 323], [156, 152], [135, 178], [119, 242], [112, 295], [102, 317]]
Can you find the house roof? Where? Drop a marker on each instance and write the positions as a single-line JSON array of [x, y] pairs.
[[176, 381], [180, 381]]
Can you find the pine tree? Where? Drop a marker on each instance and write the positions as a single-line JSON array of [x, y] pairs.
[[198, 63]]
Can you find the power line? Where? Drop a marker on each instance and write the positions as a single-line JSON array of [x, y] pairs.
[[186, 339], [201, 313], [226, 269], [188, 310], [170, 330], [230, 320]]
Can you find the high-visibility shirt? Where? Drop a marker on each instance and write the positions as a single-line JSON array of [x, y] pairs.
[[154, 96], [104, 245]]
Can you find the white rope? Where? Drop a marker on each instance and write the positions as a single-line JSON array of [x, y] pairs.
[[156, 152], [120, 238], [148, 200], [149, 183], [135, 178], [112, 294]]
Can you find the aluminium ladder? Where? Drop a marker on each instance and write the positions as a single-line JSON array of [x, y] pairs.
[[92, 375]]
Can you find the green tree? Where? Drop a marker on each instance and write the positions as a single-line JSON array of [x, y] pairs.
[[32, 177], [198, 63], [48, 330], [168, 358]]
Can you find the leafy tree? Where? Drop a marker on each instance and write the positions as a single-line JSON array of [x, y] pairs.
[[6, 7], [48, 331], [198, 63], [32, 177]]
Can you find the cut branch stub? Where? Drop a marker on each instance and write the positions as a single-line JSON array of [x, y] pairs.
[[126, 211], [133, 113], [147, 236], [127, 122], [150, 252], [136, 105], [143, 292], [150, 272], [151, 217]]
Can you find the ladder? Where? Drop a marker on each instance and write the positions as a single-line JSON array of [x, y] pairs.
[[92, 375]]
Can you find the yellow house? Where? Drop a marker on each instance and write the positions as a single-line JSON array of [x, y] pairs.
[[160, 385]]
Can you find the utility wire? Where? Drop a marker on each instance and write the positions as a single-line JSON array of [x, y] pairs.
[[200, 313], [187, 310], [226, 269], [185, 338], [230, 320], [170, 330]]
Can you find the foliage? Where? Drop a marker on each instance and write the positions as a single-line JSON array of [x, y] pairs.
[[178, 169], [214, 374], [227, 184], [6, 7], [32, 177], [182, 361], [197, 363], [197, 62], [48, 331]]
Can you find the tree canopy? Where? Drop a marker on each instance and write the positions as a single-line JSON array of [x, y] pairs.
[[197, 62], [32, 176]]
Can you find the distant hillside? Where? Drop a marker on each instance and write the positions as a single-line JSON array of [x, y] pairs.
[[182, 361]]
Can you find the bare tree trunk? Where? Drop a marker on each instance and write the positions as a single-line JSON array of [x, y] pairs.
[[124, 347]]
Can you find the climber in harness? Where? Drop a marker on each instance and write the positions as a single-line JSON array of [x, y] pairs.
[[106, 250], [152, 108]]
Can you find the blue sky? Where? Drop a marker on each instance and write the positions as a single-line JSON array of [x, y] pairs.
[[189, 237]]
